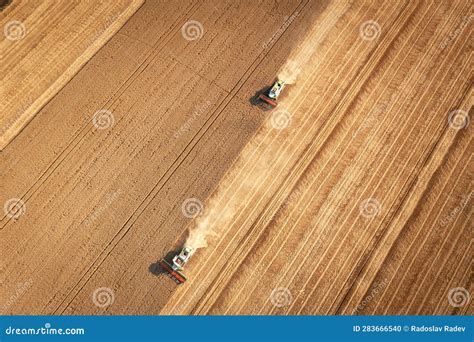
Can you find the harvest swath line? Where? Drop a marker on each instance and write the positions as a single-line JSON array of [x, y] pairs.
[[410, 247], [464, 276], [348, 216], [430, 122], [405, 166], [436, 257]]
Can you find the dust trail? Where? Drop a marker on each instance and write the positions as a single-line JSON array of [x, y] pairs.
[[229, 198], [204, 229], [305, 50], [289, 72], [241, 184]]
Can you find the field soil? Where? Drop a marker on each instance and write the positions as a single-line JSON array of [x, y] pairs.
[[352, 196]]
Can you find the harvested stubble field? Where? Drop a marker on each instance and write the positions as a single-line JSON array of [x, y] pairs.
[[353, 196]]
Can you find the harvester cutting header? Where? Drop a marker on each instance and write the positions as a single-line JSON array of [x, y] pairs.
[[175, 268]]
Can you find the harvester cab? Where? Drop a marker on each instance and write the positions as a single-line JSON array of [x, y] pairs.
[[182, 258], [176, 266]]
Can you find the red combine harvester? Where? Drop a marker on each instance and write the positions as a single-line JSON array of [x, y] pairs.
[[175, 268], [271, 96]]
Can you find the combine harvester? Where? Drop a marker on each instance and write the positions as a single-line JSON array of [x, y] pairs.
[[271, 96], [175, 268]]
